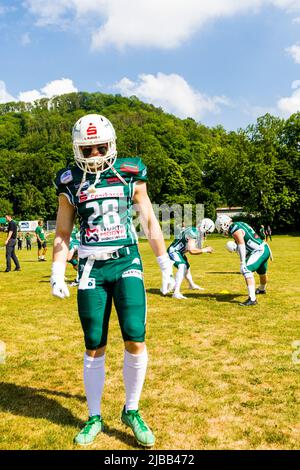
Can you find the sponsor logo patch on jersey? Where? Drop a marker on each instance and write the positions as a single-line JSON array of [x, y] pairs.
[[129, 168], [116, 192], [136, 261], [66, 177], [114, 179], [98, 234], [133, 273]]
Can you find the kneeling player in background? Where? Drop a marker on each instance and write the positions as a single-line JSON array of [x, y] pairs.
[[253, 251], [187, 243]]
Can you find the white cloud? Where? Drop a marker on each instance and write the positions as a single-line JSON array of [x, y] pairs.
[[290, 104], [25, 39], [5, 97], [294, 51], [153, 23], [54, 88], [59, 87], [172, 93]]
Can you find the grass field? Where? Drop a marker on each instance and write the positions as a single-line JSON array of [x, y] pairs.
[[220, 376]]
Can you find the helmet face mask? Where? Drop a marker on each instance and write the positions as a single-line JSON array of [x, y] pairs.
[[94, 130], [222, 223]]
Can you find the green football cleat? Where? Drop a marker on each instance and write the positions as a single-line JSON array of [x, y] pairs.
[[141, 431], [92, 427]]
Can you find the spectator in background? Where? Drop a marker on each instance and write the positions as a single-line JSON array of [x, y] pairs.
[[262, 232], [28, 241], [269, 233], [41, 241], [10, 244], [20, 241]]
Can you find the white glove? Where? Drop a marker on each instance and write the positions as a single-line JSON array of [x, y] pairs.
[[57, 280], [165, 265]]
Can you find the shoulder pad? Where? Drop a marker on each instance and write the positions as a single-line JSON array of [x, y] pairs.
[[191, 232], [66, 176], [132, 167]]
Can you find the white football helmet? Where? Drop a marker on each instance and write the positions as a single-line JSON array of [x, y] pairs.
[[206, 226], [91, 130], [231, 246], [223, 222]]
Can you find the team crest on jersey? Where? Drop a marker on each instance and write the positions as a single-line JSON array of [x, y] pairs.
[[66, 177], [116, 192]]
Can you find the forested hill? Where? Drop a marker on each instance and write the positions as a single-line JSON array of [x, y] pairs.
[[257, 168]]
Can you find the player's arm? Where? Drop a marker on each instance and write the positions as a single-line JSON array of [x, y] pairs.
[[9, 235], [64, 225], [193, 250], [153, 233], [241, 248]]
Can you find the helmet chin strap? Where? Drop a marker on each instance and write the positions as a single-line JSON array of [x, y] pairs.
[[92, 188], [119, 176]]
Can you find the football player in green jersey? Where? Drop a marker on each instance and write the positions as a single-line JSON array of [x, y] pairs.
[[101, 190], [186, 243], [41, 241], [253, 252]]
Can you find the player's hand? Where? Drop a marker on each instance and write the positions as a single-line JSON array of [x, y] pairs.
[[168, 282], [59, 287], [208, 249]]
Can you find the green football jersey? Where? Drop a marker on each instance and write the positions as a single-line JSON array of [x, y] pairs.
[[104, 210], [180, 244], [40, 232], [252, 240]]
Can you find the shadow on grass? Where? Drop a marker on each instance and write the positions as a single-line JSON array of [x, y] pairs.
[[27, 401], [217, 296], [222, 272], [125, 437], [154, 291]]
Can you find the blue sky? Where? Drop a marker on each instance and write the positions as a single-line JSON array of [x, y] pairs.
[[221, 62]]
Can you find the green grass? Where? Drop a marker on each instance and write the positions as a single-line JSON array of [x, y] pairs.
[[219, 377]]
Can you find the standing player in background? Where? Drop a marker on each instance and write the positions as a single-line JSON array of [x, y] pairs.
[[101, 190], [10, 244], [41, 241], [186, 243], [253, 252], [28, 241], [262, 232]]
